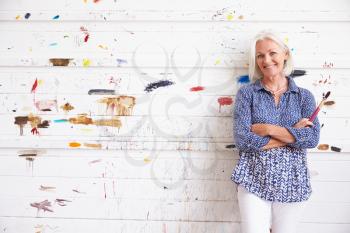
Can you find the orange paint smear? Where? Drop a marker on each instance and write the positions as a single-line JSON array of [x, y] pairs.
[[74, 144], [92, 145]]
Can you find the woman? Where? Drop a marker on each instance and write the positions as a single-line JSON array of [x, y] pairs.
[[272, 132]]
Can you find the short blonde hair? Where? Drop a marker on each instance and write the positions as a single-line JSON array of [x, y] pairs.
[[254, 70]]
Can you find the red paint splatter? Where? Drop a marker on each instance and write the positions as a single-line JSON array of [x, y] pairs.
[[198, 88], [86, 38], [35, 131], [225, 101], [35, 85], [96, 1]]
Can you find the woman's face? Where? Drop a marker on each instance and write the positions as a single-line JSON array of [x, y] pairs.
[[270, 57]]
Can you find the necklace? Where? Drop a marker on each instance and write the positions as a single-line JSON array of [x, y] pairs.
[[274, 93]]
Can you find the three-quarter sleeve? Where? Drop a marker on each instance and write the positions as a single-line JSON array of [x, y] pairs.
[[306, 137], [245, 139]]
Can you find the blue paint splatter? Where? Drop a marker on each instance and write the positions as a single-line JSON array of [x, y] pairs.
[[162, 83], [53, 44], [60, 121], [243, 79], [27, 15], [56, 17]]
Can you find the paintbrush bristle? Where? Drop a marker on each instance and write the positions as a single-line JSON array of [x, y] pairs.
[[327, 95]]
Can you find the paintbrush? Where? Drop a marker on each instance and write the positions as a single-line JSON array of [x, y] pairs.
[[314, 114]]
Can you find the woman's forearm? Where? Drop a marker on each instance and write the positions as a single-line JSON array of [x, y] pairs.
[[273, 143], [280, 133]]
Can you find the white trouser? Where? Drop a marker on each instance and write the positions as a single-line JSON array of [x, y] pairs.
[[258, 215]]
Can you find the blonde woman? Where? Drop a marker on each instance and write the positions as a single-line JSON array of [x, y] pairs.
[[272, 132]]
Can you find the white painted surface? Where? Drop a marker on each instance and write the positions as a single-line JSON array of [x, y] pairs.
[[167, 168]]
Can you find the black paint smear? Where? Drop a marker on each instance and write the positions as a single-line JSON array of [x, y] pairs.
[[27, 155], [297, 73], [27, 16], [336, 149], [101, 92], [231, 146], [46, 110], [162, 83]]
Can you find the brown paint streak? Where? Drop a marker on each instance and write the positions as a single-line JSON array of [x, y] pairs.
[[60, 61], [121, 105], [21, 121], [329, 103], [323, 147]]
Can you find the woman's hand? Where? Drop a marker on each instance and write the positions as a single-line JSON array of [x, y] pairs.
[[304, 122], [261, 129]]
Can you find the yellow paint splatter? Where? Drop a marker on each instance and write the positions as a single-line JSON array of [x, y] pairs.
[[40, 82], [74, 144], [103, 47], [286, 40], [85, 1], [18, 17], [147, 160], [217, 62], [86, 62], [230, 16], [86, 130]]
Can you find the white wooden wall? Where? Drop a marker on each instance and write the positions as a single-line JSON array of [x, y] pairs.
[[161, 164]]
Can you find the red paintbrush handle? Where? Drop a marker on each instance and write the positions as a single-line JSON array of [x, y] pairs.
[[314, 114]]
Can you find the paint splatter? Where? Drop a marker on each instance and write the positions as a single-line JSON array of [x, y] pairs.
[[60, 121], [74, 144], [93, 145], [224, 101], [323, 147], [53, 44], [27, 15], [229, 17], [56, 17], [103, 47], [86, 38], [335, 149], [67, 107], [217, 62], [329, 103], [46, 105], [86, 62], [81, 119], [162, 83], [328, 65], [241, 17], [34, 86], [198, 88], [77, 191], [101, 92], [121, 105], [231, 146], [21, 121], [95, 161], [44, 205], [97, 1], [61, 202], [121, 61], [60, 61], [18, 17], [297, 73], [115, 122], [46, 188], [243, 79]]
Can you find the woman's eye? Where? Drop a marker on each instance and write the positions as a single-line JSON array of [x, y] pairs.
[[259, 56], [273, 53]]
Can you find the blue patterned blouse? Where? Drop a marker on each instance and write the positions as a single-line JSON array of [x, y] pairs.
[[278, 174]]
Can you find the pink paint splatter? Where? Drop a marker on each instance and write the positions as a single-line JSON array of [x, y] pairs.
[[44, 205], [86, 33]]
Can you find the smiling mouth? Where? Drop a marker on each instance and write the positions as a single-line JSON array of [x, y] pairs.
[[269, 66]]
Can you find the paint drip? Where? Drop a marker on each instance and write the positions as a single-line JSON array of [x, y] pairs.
[[162, 83]]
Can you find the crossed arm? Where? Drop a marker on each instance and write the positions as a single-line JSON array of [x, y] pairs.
[[279, 136]]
